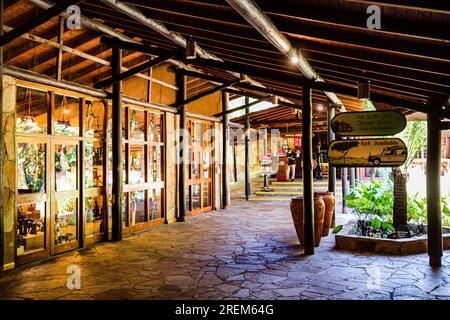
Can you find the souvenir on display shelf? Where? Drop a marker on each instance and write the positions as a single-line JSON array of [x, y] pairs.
[[137, 164], [137, 207], [94, 215], [65, 221], [30, 228], [154, 204], [66, 167], [137, 124], [31, 167], [154, 127], [93, 160], [93, 120]]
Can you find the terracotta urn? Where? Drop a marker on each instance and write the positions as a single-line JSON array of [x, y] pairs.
[[297, 217], [328, 198]]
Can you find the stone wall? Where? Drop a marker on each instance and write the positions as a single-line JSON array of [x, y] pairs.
[[9, 171]]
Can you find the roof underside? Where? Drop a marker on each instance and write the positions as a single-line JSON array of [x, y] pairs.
[[408, 58]]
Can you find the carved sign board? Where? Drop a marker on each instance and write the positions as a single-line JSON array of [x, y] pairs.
[[368, 123], [389, 152]]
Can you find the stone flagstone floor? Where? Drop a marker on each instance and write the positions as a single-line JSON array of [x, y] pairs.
[[249, 251]]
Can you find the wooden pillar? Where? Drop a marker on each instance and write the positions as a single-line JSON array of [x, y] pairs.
[[225, 107], [308, 196], [117, 173], [247, 151], [235, 160], [434, 214], [352, 177], [344, 189], [59, 57], [331, 169], [181, 96]]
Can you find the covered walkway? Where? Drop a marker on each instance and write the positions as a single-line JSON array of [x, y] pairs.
[[248, 251]]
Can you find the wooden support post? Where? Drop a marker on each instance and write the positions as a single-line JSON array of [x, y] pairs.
[[247, 151], [117, 173], [235, 160], [352, 177], [308, 192], [225, 106], [331, 169], [181, 96], [2, 247], [344, 189], [434, 214], [59, 57]]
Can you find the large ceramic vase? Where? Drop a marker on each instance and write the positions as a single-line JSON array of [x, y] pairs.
[[297, 217], [328, 198]]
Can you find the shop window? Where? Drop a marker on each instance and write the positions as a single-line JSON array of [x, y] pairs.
[[137, 207], [155, 127], [124, 209], [196, 196], [66, 167], [93, 164], [31, 110], [93, 119], [31, 165], [196, 165], [206, 189], [93, 215], [208, 134], [65, 221], [206, 164], [30, 228], [154, 204], [155, 163], [67, 113], [137, 164], [137, 125], [197, 138]]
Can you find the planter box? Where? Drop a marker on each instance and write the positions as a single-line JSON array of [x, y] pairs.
[[347, 241]]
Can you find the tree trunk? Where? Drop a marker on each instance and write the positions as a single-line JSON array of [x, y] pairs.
[[400, 198]]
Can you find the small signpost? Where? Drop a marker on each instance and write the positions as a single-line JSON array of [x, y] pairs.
[[368, 123], [368, 152], [382, 152], [266, 171]]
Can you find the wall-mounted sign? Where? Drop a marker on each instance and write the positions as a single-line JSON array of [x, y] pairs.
[[281, 153], [368, 123], [389, 152]]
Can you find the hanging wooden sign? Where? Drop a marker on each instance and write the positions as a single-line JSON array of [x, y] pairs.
[[368, 123], [389, 152]]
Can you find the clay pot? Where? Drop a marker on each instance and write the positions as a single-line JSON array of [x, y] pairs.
[[328, 198], [297, 217]]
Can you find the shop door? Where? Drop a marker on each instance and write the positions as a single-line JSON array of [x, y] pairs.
[[200, 170], [65, 195]]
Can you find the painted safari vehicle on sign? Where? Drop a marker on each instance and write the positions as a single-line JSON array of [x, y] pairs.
[[389, 155]]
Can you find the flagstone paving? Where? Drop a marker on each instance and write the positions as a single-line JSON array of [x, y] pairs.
[[249, 251]]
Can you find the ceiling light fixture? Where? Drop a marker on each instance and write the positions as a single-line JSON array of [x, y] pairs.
[[191, 47]]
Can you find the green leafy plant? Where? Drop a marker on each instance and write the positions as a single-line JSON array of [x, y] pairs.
[[337, 228]]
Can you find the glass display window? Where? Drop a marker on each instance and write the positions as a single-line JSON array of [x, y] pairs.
[[31, 167], [31, 233], [208, 135], [155, 163], [94, 117], [137, 124], [206, 164], [66, 116], [206, 190], [32, 110], [155, 204], [94, 216], [196, 196], [93, 164], [66, 213], [197, 134], [155, 127], [137, 207], [137, 164], [196, 158], [66, 167]]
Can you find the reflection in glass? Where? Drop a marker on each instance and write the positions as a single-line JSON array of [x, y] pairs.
[[196, 165], [208, 134], [206, 164], [137, 164], [137, 207], [196, 196], [137, 125], [154, 163], [65, 221], [206, 189], [154, 200], [93, 119], [198, 135], [155, 127], [66, 167], [93, 162], [67, 116], [30, 228], [31, 110], [31, 167], [93, 210], [124, 209]]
